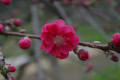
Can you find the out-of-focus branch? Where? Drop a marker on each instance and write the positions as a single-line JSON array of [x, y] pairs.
[[52, 8], [62, 12], [84, 12], [37, 51], [21, 69], [57, 9]]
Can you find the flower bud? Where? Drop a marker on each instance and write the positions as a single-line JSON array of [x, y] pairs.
[[115, 58], [25, 43], [83, 55], [116, 40]]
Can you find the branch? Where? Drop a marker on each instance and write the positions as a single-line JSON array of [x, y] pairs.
[[109, 49], [103, 47], [88, 44], [52, 8], [20, 34]]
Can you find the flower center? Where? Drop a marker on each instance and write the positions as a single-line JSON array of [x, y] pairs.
[[59, 40]]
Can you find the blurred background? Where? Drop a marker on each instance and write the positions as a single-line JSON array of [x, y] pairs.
[[93, 20]]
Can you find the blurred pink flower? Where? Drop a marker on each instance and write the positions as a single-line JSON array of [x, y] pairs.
[[68, 1], [18, 22], [12, 78], [6, 2], [58, 39], [116, 40], [12, 68], [1, 27], [89, 68]]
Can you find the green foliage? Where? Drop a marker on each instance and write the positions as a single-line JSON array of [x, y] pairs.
[[87, 33], [111, 73]]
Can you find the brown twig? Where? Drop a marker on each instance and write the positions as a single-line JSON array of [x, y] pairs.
[[20, 34], [104, 47]]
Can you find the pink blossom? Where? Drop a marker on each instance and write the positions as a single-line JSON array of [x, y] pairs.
[[58, 39], [116, 40]]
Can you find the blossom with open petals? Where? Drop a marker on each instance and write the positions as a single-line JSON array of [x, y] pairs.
[[58, 39]]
